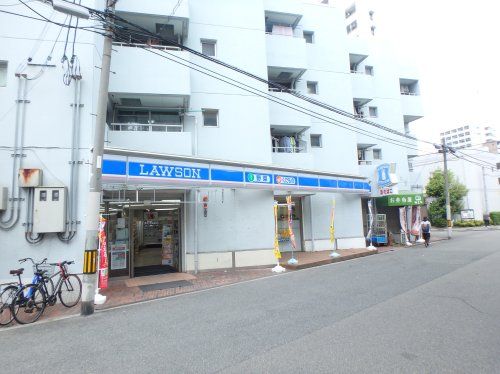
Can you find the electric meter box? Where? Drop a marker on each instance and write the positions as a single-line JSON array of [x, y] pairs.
[[49, 210], [4, 193], [30, 178]]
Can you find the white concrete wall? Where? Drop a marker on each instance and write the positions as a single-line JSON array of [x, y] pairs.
[[469, 174], [177, 143], [48, 127]]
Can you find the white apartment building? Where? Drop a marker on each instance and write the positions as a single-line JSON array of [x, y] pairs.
[[469, 135], [193, 166], [483, 183]]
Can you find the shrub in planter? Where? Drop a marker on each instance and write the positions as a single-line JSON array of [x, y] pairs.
[[495, 218]]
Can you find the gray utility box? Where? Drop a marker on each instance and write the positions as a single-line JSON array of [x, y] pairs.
[[4, 193], [49, 209]]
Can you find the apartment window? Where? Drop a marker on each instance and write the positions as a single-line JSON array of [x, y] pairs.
[[352, 26], [460, 129], [350, 11], [410, 164], [455, 130], [498, 180], [466, 127], [467, 139], [316, 141], [448, 138], [312, 88], [210, 117], [455, 136], [208, 47], [369, 70], [373, 111], [3, 73], [377, 154], [462, 141], [498, 165], [467, 133], [309, 37], [461, 135]]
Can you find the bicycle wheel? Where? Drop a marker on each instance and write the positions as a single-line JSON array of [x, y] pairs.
[[70, 291], [6, 298], [52, 295], [29, 303]]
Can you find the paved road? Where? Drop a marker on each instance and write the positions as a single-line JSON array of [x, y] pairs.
[[414, 310]]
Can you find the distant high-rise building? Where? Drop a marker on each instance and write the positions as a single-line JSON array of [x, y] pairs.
[[469, 135]]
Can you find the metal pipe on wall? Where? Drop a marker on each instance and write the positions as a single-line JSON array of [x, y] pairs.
[[15, 190]]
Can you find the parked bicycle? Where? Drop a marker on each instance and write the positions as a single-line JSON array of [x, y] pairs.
[[31, 300], [9, 291]]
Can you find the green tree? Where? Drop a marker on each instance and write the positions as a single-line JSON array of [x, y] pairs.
[[435, 189]]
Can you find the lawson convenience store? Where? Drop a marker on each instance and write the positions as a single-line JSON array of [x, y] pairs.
[[176, 213]]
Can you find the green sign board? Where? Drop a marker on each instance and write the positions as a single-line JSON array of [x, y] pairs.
[[402, 199]]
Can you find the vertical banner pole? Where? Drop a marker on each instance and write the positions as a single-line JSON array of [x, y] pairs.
[[292, 261], [277, 254], [334, 253], [371, 247], [102, 264]]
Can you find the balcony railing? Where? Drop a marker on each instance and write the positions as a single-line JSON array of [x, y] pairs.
[[145, 45], [409, 93], [156, 127], [365, 162], [291, 149]]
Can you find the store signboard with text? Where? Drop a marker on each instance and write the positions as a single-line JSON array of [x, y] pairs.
[[123, 169]]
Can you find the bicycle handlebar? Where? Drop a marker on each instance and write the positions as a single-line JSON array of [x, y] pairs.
[[33, 261]]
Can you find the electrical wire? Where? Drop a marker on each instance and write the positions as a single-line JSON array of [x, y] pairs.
[[269, 97], [270, 83]]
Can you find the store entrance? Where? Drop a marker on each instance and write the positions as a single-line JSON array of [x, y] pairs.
[[144, 237], [283, 226], [155, 241]]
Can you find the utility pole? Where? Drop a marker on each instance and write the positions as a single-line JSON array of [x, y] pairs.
[[485, 191], [446, 187], [95, 184]]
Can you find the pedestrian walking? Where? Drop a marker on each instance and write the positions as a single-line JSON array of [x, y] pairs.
[[425, 225], [486, 219]]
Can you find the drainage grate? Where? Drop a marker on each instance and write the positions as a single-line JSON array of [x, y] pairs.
[[164, 286]]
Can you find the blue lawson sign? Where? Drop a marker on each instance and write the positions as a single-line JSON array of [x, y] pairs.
[[383, 175], [137, 169], [218, 175]]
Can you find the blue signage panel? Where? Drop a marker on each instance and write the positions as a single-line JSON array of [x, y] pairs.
[[191, 172], [227, 175], [258, 178], [328, 183], [346, 184], [383, 175], [181, 172], [358, 185], [308, 182], [285, 180], [114, 167]]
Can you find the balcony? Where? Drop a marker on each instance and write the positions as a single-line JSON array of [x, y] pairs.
[[411, 107], [362, 85], [154, 7], [138, 72], [302, 160], [159, 138], [285, 12], [286, 51], [280, 115]]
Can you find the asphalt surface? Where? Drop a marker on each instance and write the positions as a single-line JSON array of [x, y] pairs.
[[424, 310]]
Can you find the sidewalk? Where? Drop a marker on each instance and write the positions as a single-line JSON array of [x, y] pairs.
[[128, 291]]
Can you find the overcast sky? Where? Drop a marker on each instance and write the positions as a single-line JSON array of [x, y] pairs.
[[456, 46]]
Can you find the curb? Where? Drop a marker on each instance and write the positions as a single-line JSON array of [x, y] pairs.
[[329, 261]]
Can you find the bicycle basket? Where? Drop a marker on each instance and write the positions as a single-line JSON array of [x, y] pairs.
[[47, 268]]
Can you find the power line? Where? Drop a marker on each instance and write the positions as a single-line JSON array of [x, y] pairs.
[[280, 101], [270, 83]]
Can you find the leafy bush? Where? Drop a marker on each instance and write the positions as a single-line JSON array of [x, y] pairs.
[[471, 223], [495, 218], [438, 222]]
